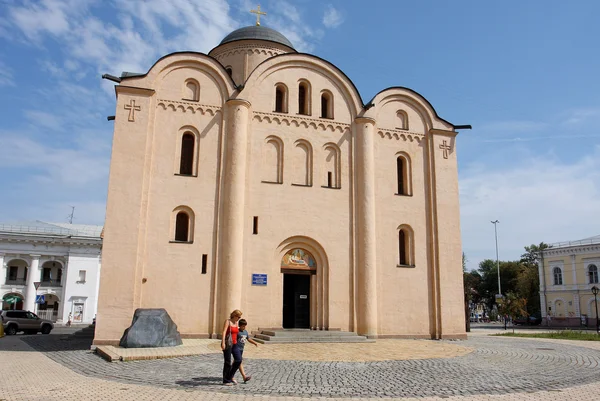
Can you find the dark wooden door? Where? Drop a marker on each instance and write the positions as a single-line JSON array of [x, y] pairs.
[[296, 301]]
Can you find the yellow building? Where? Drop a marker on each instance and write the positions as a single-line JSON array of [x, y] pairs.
[[568, 271], [256, 178]]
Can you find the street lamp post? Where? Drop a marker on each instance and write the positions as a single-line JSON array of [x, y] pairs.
[[497, 260], [595, 292]]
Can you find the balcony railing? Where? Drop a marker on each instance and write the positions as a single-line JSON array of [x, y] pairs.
[[50, 283], [15, 281]]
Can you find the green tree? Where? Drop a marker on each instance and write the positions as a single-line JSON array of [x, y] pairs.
[[528, 283], [513, 306], [488, 287]]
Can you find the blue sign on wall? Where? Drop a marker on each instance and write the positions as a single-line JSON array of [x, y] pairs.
[[259, 279], [40, 299]]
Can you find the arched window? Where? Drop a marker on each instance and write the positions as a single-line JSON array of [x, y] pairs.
[[182, 227], [402, 119], [188, 143], [558, 278], [304, 98], [593, 274], [326, 105], [405, 246], [332, 166], [272, 169], [303, 163], [281, 98], [229, 71], [191, 90], [403, 174]]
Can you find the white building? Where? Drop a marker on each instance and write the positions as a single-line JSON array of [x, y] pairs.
[[61, 259]]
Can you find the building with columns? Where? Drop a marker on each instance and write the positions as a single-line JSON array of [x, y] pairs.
[[568, 271], [255, 177], [63, 259]]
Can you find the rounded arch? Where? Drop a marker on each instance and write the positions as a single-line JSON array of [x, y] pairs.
[[8, 303], [17, 271], [281, 98], [187, 151], [320, 307], [306, 147], [327, 105], [304, 97], [592, 273], [557, 276], [402, 120], [191, 90], [414, 98], [403, 174], [182, 224], [302, 60], [175, 60], [273, 163], [333, 165], [406, 245]]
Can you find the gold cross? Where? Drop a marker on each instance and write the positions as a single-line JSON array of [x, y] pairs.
[[258, 14], [445, 147], [132, 109]]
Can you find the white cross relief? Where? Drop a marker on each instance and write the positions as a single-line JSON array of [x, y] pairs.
[[132, 109], [445, 147]]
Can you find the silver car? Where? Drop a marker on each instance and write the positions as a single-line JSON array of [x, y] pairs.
[[28, 322]]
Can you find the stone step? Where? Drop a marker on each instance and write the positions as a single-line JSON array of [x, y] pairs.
[[307, 336], [302, 333]]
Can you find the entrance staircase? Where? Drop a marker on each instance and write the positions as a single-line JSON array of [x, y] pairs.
[[280, 336]]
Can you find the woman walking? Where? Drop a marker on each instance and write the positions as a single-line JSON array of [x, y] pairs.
[[230, 347]]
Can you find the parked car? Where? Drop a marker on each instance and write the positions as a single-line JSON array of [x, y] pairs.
[[15, 321], [530, 320]]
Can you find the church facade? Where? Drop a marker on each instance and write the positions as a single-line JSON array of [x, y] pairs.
[[256, 178]]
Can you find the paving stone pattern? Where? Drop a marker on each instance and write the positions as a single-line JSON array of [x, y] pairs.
[[497, 366]]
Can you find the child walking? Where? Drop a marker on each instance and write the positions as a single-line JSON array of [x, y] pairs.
[[242, 338]]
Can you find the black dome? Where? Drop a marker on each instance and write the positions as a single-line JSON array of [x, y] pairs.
[[257, 33]]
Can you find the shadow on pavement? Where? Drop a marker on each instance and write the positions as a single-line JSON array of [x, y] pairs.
[[56, 343], [200, 381]]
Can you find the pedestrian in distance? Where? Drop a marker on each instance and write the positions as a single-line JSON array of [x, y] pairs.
[[242, 339], [230, 348], [69, 319]]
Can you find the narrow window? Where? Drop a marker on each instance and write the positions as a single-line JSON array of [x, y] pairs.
[[182, 224], [59, 276], [229, 71], [82, 274], [12, 273], [192, 90], [593, 274], [402, 246], [255, 225], [324, 106], [400, 172], [329, 179], [558, 279], [279, 99], [204, 262], [302, 99], [186, 166]]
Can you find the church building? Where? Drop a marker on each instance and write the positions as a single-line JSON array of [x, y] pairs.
[[255, 177]]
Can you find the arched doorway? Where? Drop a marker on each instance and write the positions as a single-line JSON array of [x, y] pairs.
[[17, 272], [303, 262], [297, 266], [49, 309], [12, 301], [51, 274]]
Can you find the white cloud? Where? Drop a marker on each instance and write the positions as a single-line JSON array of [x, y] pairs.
[[535, 198], [44, 120], [332, 17], [511, 127]]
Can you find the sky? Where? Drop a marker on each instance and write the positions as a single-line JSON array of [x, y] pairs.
[[523, 74]]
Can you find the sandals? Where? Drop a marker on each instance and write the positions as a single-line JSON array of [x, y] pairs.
[[247, 379]]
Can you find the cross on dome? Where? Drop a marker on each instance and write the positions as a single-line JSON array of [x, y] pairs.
[[258, 14]]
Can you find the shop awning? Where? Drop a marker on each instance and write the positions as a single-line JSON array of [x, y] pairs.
[[12, 298]]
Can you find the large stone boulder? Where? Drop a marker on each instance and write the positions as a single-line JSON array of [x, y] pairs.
[[151, 328]]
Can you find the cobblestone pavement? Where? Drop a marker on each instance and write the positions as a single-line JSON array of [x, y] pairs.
[[497, 369]]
